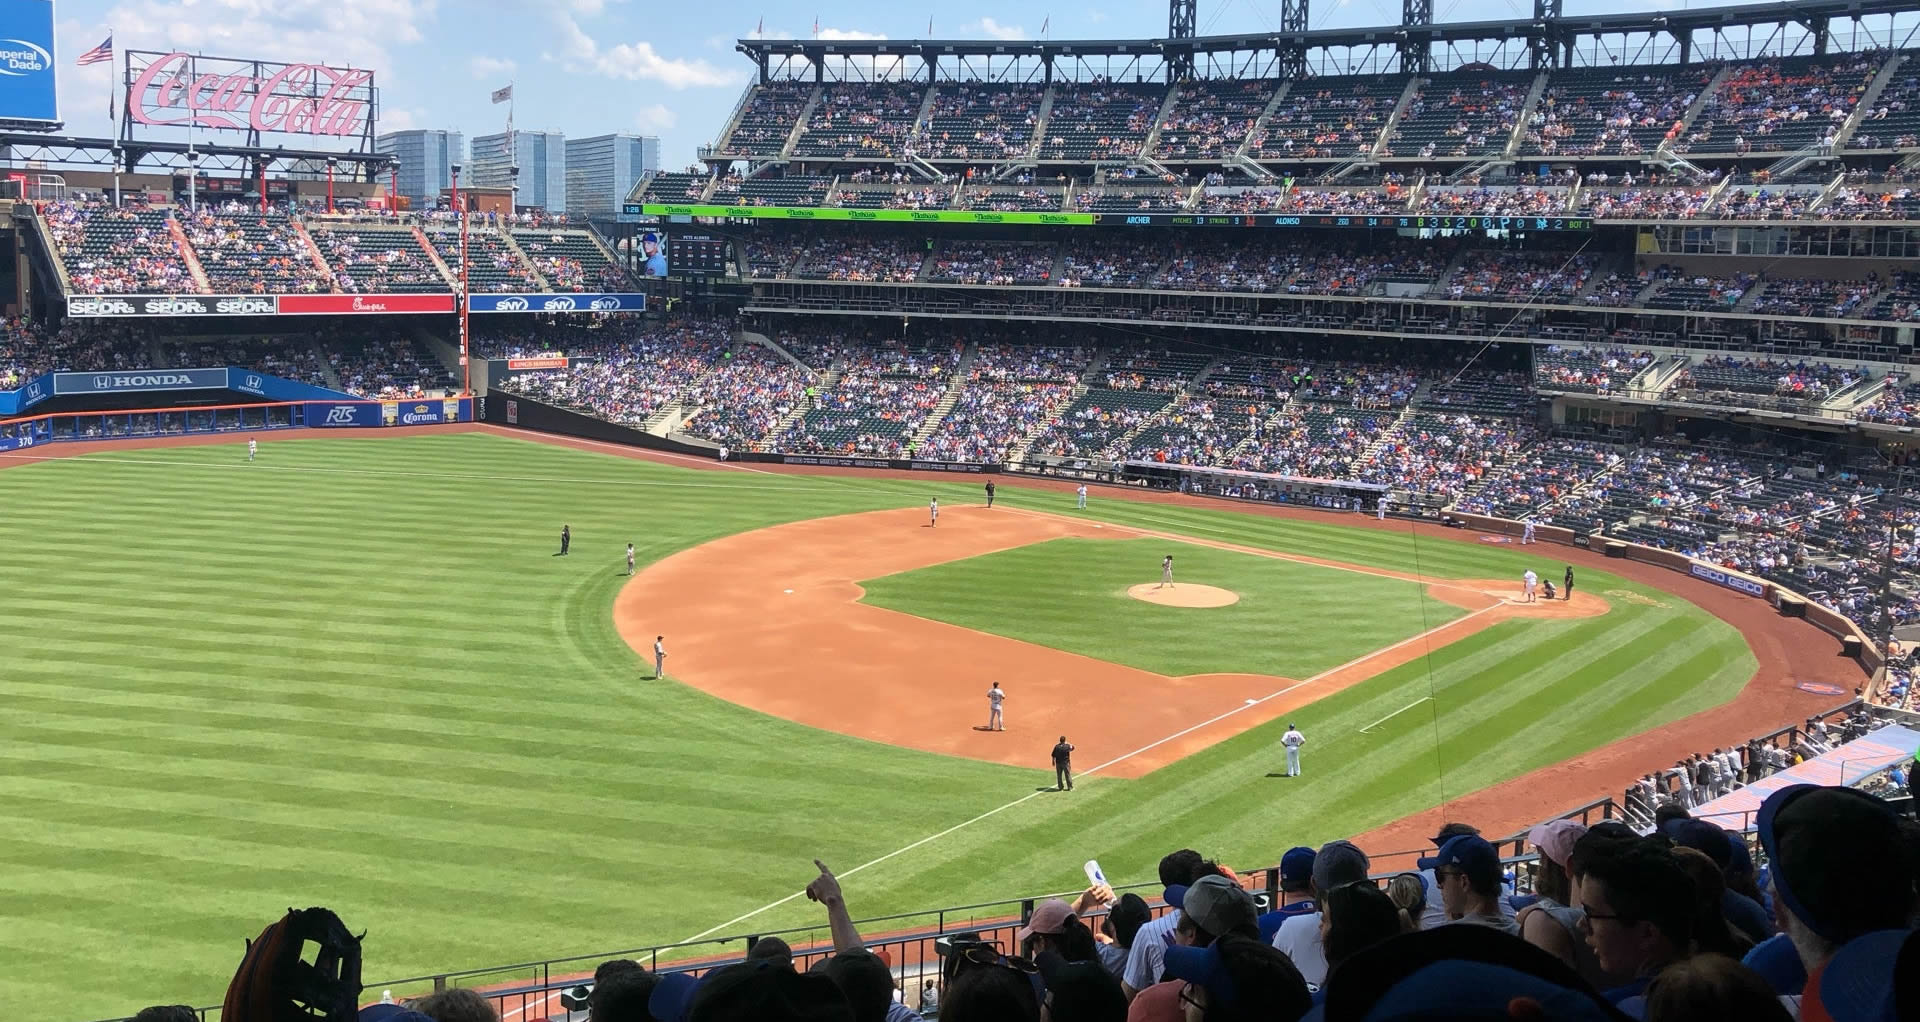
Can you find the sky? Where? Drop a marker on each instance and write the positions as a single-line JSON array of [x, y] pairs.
[[591, 67]]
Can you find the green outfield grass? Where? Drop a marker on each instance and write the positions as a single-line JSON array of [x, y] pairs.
[[1294, 620], [353, 674]]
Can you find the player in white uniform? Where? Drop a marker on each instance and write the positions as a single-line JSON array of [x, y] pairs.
[[1528, 581], [659, 657], [994, 698], [1293, 740], [629, 558], [933, 513], [1526, 533], [1083, 495], [253, 448], [1380, 510], [1166, 571]]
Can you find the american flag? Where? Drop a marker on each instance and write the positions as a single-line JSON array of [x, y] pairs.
[[100, 53]]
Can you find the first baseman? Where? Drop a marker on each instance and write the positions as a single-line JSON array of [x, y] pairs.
[[1083, 495], [1526, 533]]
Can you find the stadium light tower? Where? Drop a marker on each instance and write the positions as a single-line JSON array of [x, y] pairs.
[[1181, 15], [466, 369]]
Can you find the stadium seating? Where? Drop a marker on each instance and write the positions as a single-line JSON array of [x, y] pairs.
[[1586, 370], [767, 118], [491, 265], [1099, 121], [1328, 118], [741, 401], [868, 122], [799, 190], [571, 261], [978, 121], [1000, 263], [118, 251], [378, 259], [1592, 111], [1211, 118], [1779, 106], [669, 186], [245, 251], [1463, 114]]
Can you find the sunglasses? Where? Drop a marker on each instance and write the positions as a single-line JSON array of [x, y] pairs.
[[992, 956]]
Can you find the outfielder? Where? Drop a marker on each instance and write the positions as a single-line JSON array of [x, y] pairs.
[[1082, 491], [1293, 740], [566, 539], [253, 448], [629, 558], [933, 513], [1166, 571], [1527, 582]]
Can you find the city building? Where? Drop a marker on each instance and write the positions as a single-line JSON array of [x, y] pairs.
[[541, 157], [601, 171], [426, 159]]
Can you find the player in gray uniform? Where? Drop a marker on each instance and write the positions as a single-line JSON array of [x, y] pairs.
[[659, 657], [933, 513]]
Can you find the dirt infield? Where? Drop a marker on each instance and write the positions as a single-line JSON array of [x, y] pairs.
[[904, 680], [1788, 651], [1185, 594]]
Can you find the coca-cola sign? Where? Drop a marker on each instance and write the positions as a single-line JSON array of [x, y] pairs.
[[182, 90]]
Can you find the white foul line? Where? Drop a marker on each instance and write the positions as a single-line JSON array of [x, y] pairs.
[[1356, 661], [1394, 714]]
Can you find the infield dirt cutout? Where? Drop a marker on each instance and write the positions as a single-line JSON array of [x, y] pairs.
[[772, 620], [1183, 594]]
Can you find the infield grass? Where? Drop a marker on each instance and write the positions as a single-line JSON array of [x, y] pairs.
[[353, 674], [1293, 620]]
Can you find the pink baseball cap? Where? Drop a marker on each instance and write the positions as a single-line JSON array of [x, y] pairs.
[[1555, 839], [1049, 916]]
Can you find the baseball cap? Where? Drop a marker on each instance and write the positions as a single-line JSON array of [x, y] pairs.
[[1216, 905], [1296, 869], [1820, 843], [1555, 839], [1459, 972], [766, 992], [1701, 836], [1863, 982], [1050, 916], [672, 996], [1203, 965], [391, 1013], [1339, 862], [1080, 990], [1471, 853]]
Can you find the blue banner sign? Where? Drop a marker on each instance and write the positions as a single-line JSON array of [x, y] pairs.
[[121, 381], [338, 414], [558, 303], [26, 61]]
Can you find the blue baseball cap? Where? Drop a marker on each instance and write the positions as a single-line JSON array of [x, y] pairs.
[[672, 996], [1459, 972], [1863, 982], [1469, 853], [1204, 966], [391, 1013], [1296, 869]]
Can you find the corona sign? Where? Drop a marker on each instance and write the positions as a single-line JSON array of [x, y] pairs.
[[181, 90]]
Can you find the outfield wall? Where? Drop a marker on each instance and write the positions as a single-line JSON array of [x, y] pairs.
[[136, 423]]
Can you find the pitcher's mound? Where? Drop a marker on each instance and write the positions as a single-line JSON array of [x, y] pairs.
[[1183, 594]]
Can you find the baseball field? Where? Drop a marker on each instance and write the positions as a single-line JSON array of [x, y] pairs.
[[356, 674]]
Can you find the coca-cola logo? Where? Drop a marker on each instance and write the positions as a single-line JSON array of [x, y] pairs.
[[303, 99]]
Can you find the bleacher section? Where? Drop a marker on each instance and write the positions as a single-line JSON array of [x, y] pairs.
[[1467, 113], [377, 259], [571, 261], [1612, 111], [980, 122], [491, 266], [1100, 121], [1210, 119], [868, 122], [767, 119]]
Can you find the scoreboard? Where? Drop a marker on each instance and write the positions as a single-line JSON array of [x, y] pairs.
[[698, 254]]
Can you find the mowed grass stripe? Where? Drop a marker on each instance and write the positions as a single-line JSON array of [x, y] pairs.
[[352, 674]]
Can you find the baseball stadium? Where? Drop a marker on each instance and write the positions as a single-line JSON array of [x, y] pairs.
[[1152, 490]]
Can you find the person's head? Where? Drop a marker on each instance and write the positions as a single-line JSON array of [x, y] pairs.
[[1711, 986], [1449, 831], [1822, 846], [772, 949], [1601, 840], [455, 1004], [621, 990], [1467, 872], [1408, 891], [1336, 863], [1296, 871], [1710, 930], [863, 979], [1668, 812], [1238, 979], [1063, 739], [1638, 906], [1181, 867], [1354, 916], [995, 993], [659, 638], [1212, 907], [167, 1013], [764, 992], [953, 953], [1080, 992], [1126, 917], [1555, 840], [1054, 927]]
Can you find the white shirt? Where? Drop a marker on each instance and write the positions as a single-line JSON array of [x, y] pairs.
[[1293, 739], [996, 697], [659, 649], [1299, 938], [1530, 578], [630, 561], [1148, 956], [1083, 490], [252, 445], [1436, 913]]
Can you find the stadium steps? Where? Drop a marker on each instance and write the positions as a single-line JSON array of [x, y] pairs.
[[1153, 131], [513, 245], [327, 371], [828, 381], [313, 250], [1699, 103], [188, 256], [47, 246], [1121, 444], [750, 337], [1656, 377], [1859, 395], [1366, 453], [420, 239], [1380, 141], [1826, 194], [800, 123], [1526, 114], [1875, 85], [1268, 427], [1247, 164], [1017, 454], [955, 387], [1751, 296]]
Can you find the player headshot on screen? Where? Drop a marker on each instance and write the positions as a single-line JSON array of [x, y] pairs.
[[655, 254]]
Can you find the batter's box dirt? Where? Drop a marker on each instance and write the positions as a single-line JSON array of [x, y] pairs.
[[1641, 599]]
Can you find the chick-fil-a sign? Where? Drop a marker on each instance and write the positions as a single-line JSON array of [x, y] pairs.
[[177, 90]]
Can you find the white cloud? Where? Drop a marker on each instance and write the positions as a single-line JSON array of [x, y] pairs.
[[654, 117], [356, 32], [637, 62], [1097, 16], [399, 119], [991, 29], [847, 35], [587, 7], [490, 67]]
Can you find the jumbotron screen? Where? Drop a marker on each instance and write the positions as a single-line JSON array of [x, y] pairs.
[[698, 253]]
